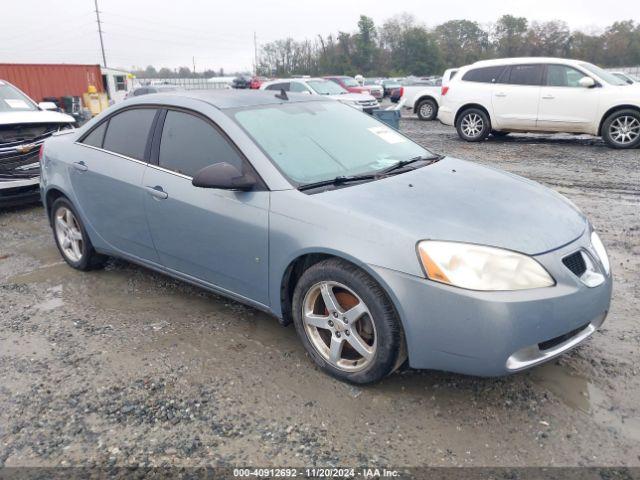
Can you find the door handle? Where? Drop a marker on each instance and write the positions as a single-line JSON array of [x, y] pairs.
[[80, 166], [548, 97], [157, 192], [501, 94]]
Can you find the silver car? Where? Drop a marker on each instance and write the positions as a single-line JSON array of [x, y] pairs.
[[378, 250]]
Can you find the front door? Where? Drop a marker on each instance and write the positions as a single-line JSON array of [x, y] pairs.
[[219, 237], [107, 181], [516, 97], [565, 105]]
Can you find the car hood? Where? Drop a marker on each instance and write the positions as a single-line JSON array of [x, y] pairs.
[[39, 116], [461, 201]]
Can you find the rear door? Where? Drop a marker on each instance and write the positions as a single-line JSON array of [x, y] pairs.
[[566, 106], [108, 181], [516, 96], [216, 236]]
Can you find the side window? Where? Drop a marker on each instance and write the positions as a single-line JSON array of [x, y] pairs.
[[297, 87], [279, 86], [525, 75], [140, 91], [96, 136], [128, 132], [563, 76], [190, 143], [483, 75]]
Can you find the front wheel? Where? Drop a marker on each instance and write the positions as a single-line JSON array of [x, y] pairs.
[[427, 109], [621, 129], [347, 323], [473, 125]]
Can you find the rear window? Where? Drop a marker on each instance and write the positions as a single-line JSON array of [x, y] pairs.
[[483, 74], [128, 131]]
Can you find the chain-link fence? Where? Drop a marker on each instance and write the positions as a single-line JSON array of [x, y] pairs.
[[185, 83]]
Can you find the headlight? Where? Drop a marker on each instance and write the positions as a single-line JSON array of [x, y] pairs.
[[352, 103], [481, 268], [601, 251]]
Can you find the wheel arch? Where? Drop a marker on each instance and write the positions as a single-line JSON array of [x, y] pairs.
[[472, 105], [302, 261], [426, 96], [613, 110], [51, 195]]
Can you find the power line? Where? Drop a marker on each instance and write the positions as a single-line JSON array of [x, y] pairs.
[[104, 58]]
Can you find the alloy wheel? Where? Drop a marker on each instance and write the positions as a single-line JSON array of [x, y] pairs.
[[69, 234], [426, 110], [472, 125], [624, 129], [339, 326]]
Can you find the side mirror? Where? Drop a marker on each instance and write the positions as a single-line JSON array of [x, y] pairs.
[[48, 106], [587, 82], [223, 176]]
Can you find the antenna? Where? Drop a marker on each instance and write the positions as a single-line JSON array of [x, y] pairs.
[[282, 95], [104, 58]]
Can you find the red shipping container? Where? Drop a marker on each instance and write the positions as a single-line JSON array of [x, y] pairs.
[[40, 80]]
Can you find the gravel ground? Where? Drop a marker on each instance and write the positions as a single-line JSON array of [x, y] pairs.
[[127, 367]]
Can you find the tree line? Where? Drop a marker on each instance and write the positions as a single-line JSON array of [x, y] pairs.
[[403, 46]]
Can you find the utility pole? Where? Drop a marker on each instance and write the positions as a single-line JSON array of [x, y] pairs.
[[104, 58], [255, 53], [194, 65]]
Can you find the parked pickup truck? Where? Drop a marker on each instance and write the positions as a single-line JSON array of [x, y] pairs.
[[424, 98], [24, 126]]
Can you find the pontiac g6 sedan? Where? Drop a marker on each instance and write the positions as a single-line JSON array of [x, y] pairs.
[[376, 249]]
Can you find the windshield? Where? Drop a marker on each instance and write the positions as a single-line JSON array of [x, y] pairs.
[[608, 77], [315, 141], [326, 87], [12, 100], [350, 82]]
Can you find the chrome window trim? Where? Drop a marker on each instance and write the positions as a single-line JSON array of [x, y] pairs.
[[146, 164]]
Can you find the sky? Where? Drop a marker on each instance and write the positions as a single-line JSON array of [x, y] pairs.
[[220, 33]]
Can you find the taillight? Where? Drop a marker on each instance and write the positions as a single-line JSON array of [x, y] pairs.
[[401, 92], [444, 90], [41, 152]]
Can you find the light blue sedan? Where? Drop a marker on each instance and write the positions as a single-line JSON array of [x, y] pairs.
[[378, 250]]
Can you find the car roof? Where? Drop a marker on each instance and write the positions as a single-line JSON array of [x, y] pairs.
[[227, 98], [518, 60]]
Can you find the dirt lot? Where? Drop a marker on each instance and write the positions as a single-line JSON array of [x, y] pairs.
[[127, 367]]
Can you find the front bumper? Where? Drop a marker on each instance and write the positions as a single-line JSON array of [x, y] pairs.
[[19, 191], [497, 333]]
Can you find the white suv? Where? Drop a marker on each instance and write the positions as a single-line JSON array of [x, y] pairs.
[[541, 95]]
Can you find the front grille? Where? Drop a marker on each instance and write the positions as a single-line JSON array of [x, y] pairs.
[[575, 262], [562, 338], [10, 164]]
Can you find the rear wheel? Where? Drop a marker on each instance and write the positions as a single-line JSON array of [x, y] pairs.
[[346, 322], [71, 237], [427, 109], [473, 125], [621, 129]]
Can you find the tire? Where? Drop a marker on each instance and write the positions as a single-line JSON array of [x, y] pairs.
[[364, 317], [621, 129], [427, 109], [499, 134], [67, 227], [473, 125]]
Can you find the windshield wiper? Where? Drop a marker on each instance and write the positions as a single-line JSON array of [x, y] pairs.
[[404, 163], [341, 180]]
